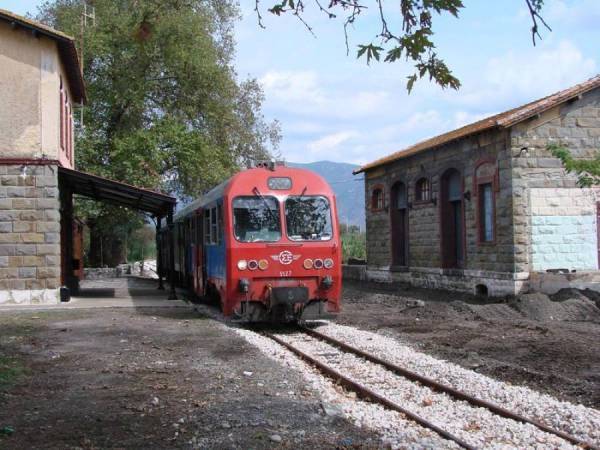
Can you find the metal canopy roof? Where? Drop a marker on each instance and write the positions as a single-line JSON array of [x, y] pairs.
[[117, 193]]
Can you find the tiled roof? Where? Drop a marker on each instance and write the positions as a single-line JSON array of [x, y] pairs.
[[502, 120], [66, 49]]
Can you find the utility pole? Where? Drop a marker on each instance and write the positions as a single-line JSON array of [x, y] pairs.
[[87, 15]]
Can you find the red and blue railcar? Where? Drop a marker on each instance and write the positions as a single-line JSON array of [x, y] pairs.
[[264, 243]]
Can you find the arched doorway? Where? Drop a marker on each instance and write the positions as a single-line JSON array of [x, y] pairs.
[[452, 220], [399, 224]]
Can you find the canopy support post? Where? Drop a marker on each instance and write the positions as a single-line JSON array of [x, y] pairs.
[[159, 255], [172, 293]]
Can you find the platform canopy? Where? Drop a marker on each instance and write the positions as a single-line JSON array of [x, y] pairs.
[[114, 192]]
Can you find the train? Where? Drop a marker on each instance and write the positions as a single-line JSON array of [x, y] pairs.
[[265, 245]]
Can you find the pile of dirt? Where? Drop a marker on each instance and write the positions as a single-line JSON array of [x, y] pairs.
[[492, 311], [565, 305]]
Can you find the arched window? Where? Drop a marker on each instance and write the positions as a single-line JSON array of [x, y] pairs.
[[377, 199], [422, 190]]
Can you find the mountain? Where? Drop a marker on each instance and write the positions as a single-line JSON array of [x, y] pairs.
[[349, 189]]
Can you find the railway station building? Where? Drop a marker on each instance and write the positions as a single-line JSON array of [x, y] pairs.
[[486, 208], [41, 84]]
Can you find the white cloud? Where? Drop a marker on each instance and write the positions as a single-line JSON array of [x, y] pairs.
[[285, 86], [582, 14], [304, 92], [514, 78], [331, 141]]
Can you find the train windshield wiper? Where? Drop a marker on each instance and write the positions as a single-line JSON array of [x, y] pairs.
[[264, 200]]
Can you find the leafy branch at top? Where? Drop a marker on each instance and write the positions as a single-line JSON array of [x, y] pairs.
[[411, 41], [587, 170]]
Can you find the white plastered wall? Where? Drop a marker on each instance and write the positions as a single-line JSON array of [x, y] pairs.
[[564, 229]]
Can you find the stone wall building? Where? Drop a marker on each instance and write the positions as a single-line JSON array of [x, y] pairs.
[[486, 208], [40, 84]]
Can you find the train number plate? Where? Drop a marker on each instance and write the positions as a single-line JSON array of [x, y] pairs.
[[285, 273]]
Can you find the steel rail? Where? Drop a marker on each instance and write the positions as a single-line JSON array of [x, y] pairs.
[[366, 393], [499, 410]]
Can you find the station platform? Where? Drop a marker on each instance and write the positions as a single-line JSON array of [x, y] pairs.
[[122, 292]]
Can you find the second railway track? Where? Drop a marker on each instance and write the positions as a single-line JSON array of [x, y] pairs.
[[456, 416]]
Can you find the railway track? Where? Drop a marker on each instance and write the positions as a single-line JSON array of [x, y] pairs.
[[468, 421]]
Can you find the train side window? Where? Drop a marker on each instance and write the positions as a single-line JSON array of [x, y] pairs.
[[207, 226], [213, 226], [220, 223], [200, 224]]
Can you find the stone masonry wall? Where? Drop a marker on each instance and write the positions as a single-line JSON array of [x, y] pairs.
[[575, 125], [29, 234], [424, 219]]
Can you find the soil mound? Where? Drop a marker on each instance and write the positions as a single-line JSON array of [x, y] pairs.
[[568, 306], [494, 311]]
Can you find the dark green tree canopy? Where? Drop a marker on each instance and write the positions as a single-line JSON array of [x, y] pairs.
[[166, 110]]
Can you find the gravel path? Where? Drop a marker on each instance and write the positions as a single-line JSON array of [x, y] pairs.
[[574, 419]]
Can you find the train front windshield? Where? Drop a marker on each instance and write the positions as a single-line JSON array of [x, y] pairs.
[[308, 218], [256, 219]]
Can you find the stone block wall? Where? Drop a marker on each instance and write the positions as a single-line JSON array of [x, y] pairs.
[[548, 203], [29, 234], [424, 218]]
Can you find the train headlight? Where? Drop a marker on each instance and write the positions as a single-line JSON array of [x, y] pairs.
[[328, 263], [242, 264], [263, 264], [318, 263], [252, 264], [308, 264]]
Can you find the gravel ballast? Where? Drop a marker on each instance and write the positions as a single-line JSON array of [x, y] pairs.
[[577, 420], [476, 425], [396, 431]]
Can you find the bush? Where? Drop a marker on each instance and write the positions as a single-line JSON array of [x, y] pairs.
[[354, 243]]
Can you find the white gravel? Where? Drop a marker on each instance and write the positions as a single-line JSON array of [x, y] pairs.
[[396, 432], [574, 419], [477, 426]]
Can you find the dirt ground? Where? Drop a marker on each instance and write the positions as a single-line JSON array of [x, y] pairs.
[[144, 377], [151, 378], [549, 344]]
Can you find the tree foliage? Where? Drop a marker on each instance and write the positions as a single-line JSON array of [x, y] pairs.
[[587, 170], [354, 243], [165, 108], [411, 39]]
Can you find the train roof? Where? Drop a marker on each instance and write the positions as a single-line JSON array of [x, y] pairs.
[[209, 197], [249, 177]]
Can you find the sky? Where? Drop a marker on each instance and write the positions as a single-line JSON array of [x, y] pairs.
[[334, 107]]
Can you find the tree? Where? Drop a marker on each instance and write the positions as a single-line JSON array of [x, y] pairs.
[[412, 41], [165, 110], [587, 170]]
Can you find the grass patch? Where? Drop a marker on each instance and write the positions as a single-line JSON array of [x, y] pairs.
[[10, 371]]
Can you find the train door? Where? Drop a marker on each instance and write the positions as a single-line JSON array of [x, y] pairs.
[[188, 249], [198, 256]]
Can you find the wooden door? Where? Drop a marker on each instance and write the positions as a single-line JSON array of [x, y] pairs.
[[452, 220], [399, 224]]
